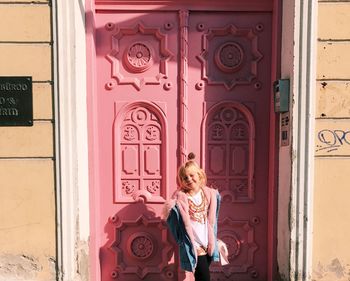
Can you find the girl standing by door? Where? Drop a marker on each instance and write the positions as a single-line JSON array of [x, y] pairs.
[[192, 217]]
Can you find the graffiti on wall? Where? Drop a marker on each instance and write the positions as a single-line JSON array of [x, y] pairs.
[[332, 139]]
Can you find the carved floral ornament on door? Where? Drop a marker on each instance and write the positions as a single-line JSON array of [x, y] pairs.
[[141, 246], [138, 57], [235, 59], [140, 129]]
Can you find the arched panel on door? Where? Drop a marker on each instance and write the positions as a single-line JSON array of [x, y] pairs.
[[140, 154], [228, 143], [228, 132]]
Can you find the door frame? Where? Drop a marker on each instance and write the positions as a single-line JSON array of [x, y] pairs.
[[72, 171], [71, 151], [296, 162]]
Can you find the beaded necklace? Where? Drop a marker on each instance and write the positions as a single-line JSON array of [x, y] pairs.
[[198, 212]]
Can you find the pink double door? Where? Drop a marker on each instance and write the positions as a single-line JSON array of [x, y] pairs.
[[166, 83]]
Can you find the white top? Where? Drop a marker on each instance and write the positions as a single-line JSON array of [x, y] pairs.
[[200, 230]]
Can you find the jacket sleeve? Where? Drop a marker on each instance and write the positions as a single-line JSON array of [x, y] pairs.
[[176, 225], [218, 201], [173, 222]]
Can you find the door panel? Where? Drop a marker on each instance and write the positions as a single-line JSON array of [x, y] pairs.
[[229, 94], [137, 101], [169, 83], [140, 133]]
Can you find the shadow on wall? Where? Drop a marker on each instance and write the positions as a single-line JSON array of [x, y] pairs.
[[130, 252]]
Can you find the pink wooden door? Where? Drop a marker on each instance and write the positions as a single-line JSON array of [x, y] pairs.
[[167, 83]]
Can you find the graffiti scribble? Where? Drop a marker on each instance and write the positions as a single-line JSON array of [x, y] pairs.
[[332, 139]]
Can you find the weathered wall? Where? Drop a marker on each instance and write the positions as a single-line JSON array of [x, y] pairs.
[[331, 255], [27, 188]]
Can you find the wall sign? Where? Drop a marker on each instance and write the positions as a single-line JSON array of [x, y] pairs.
[[16, 101]]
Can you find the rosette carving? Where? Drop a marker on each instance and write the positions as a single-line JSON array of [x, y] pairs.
[[138, 57], [141, 245], [229, 57]]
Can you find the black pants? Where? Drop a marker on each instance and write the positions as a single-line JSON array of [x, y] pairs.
[[202, 272]]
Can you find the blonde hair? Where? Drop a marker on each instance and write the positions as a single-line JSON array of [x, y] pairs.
[[188, 165]]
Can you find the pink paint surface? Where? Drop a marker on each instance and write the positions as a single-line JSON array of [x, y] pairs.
[[163, 83]]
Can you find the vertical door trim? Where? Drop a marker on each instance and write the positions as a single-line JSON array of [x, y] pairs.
[[183, 98], [273, 145], [72, 189], [304, 88], [296, 168]]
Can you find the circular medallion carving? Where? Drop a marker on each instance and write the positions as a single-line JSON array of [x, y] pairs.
[[138, 57], [141, 245], [140, 116], [229, 57], [228, 115], [233, 244]]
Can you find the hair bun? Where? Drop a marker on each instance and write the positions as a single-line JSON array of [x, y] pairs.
[[191, 156]]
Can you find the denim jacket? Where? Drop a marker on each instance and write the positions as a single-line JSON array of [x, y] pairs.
[[178, 220]]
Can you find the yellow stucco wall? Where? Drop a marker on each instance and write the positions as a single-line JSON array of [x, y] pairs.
[[27, 188], [331, 230]]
